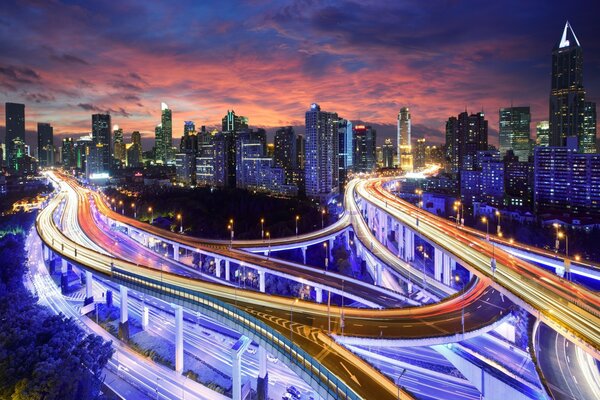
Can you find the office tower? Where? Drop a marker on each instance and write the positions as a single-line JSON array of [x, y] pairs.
[[388, 153], [285, 154], [485, 181], [346, 151], [45, 134], [405, 160], [321, 164], [567, 94], [514, 131], [101, 138], [159, 154], [185, 167], [68, 153], [118, 145], [542, 134], [205, 160], [233, 123], [300, 150], [81, 149], [518, 182], [419, 154], [133, 150], [163, 137], [189, 140], [588, 141], [364, 139], [15, 134], [465, 136]]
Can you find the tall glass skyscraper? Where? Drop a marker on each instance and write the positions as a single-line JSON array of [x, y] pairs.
[[15, 134], [101, 137], [542, 137], [515, 132], [364, 138], [45, 144], [322, 155], [404, 140], [567, 95]]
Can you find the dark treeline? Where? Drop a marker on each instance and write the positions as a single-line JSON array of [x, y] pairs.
[[206, 213], [42, 355]]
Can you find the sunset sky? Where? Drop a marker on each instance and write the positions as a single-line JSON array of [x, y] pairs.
[[268, 60]]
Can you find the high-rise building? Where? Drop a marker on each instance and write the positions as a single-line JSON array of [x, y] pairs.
[[419, 154], [364, 139], [189, 140], [588, 141], [485, 181], [405, 160], [346, 151], [542, 134], [388, 153], [567, 94], [45, 134], [514, 131], [101, 138], [15, 134], [322, 153], [81, 149], [300, 150], [163, 133], [465, 136], [233, 123], [68, 153], [134, 150], [118, 145], [185, 167], [285, 154], [518, 182], [205, 160]]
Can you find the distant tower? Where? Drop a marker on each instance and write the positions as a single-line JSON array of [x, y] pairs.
[[101, 139], [514, 131], [15, 134], [45, 144], [404, 140], [542, 137]]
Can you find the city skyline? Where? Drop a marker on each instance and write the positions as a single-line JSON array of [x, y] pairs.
[[482, 68]]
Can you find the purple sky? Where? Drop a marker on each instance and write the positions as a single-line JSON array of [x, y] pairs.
[[270, 60]]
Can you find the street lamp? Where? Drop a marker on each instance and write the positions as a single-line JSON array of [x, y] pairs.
[[419, 193], [151, 211], [486, 221], [122, 208], [462, 306], [231, 225], [556, 244], [180, 219], [567, 262], [113, 203], [269, 240], [326, 256], [499, 227], [322, 218], [297, 219], [262, 229], [134, 210], [399, 377], [457, 209]]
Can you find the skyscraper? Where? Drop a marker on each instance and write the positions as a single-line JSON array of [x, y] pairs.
[[234, 123], [164, 136], [45, 144], [588, 141], [346, 150], [388, 153], [68, 153], [514, 131], [542, 134], [567, 94], [322, 141], [404, 140], [364, 139], [465, 136], [118, 145], [134, 150], [101, 139], [419, 154], [285, 152], [15, 134]]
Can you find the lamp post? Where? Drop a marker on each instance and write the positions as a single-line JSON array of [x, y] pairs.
[[122, 208], [262, 229], [462, 306], [457, 209], [113, 203], [322, 218], [151, 211], [487, 237], [269, 240], [498, 228], [399, 377], [297, 219], [556, 243], [232, 233], [134, 210], [180, 219], [486, 221], [567, 262], [326, 256], [419, 193]]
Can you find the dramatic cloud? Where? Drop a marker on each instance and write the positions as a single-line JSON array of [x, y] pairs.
[[270, 60]]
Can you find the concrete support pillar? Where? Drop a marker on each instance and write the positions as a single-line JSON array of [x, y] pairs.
[[46, 252], [330, 248], [347, 239], [438, 257], [63, 266], [89, 293], [400, 240], [318, 295], [447, 273], [218, 267], [409, 245], [262, 385], [176, 252], [304, 254], [145, 316], [261, 280], [227, 274], [178, 338], [124, 320], [237, 351], [378, 271]]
